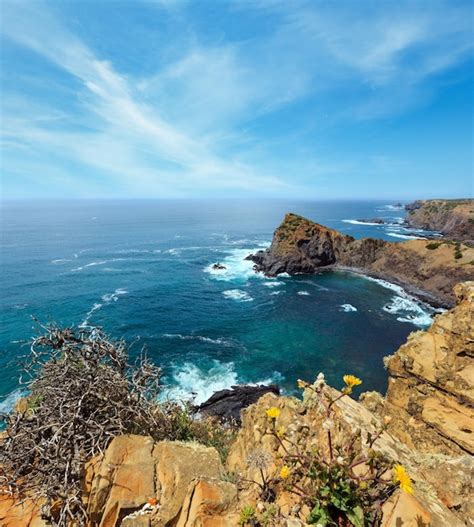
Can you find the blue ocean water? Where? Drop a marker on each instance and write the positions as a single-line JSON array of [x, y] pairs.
[[142, 270]]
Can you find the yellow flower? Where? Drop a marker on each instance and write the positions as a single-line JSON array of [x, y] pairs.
[[401, 476], [352, 380], [273, 412], [284, 472], [301, 384]]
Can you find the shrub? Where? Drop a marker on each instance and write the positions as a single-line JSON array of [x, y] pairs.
[[83, 392], [433, 245]]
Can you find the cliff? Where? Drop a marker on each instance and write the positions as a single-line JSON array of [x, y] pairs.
[[453, 218], [426, 268], [405, 459]]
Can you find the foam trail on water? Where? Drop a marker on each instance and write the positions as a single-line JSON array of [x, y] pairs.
[[303, 293], [208, 340], [106, 299], [238, 295]]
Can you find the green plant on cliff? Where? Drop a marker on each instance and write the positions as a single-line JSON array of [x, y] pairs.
[[83, 392], [342, 483]]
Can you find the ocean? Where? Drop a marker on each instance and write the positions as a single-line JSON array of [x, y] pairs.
[[142, 270]]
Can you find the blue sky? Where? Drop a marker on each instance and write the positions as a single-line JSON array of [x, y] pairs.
[[301, 99]]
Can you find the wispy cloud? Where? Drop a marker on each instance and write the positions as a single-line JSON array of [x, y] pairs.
[[214, 115]]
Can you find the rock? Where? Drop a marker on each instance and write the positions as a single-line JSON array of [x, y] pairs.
[[403, 509], [25, 513], [135, 472], [219, 266], [454, 218], [379, 221], [431, 389], [209, 503], [373, 401], [302, 246], [227, 404]]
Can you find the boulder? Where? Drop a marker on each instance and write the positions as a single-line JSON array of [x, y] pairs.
[[227, 404]]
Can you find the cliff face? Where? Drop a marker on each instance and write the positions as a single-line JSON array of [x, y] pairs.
[[453, 218], [429, 269], [431, 386]]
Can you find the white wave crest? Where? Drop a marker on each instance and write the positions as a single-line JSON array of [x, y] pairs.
[[60, 260], [407, 306], [238, 295], [197, 384], [409, 311], [304, 293], [274, 283], [348, 308], [405, 236], [113, 297], [359, 222]]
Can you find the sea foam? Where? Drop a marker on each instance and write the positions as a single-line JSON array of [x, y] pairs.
[[191, 382], [405, 305], [238, 295], [237, 268], [348, 308]]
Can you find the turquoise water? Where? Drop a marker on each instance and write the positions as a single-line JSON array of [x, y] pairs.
[[143, 271]]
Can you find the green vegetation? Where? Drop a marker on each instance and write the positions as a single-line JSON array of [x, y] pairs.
[[433, 245], [457, 251]]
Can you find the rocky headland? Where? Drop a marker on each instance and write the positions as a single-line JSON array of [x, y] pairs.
[[426, 268], [453, 218], [423, 427]]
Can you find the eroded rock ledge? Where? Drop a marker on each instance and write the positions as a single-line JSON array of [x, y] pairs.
[[427, 269]]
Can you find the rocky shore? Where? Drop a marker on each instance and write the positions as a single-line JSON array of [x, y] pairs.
[[425, 423], [454, 218], [427, 269]]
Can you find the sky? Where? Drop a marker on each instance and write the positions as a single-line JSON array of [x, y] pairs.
[[316, 99]]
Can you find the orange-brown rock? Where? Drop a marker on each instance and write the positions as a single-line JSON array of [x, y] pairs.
[[431, 387], [140, 482], [15, 513]]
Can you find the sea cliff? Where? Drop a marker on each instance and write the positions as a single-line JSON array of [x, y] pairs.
[[423, 427], [429, 269], [454, 218]]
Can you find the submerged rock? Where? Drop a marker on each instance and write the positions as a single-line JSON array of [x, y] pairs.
[[219, 266], [227, 404]]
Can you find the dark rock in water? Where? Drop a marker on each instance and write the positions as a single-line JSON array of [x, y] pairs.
[[380, 221], [219, 266], [227, 404]]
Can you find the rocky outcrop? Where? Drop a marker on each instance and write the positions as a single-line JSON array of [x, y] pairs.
[[428, 270], [139, 482], [431, 387], [226, 405], [454, 218]]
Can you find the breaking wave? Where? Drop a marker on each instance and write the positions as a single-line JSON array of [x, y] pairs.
[[238, 295]]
